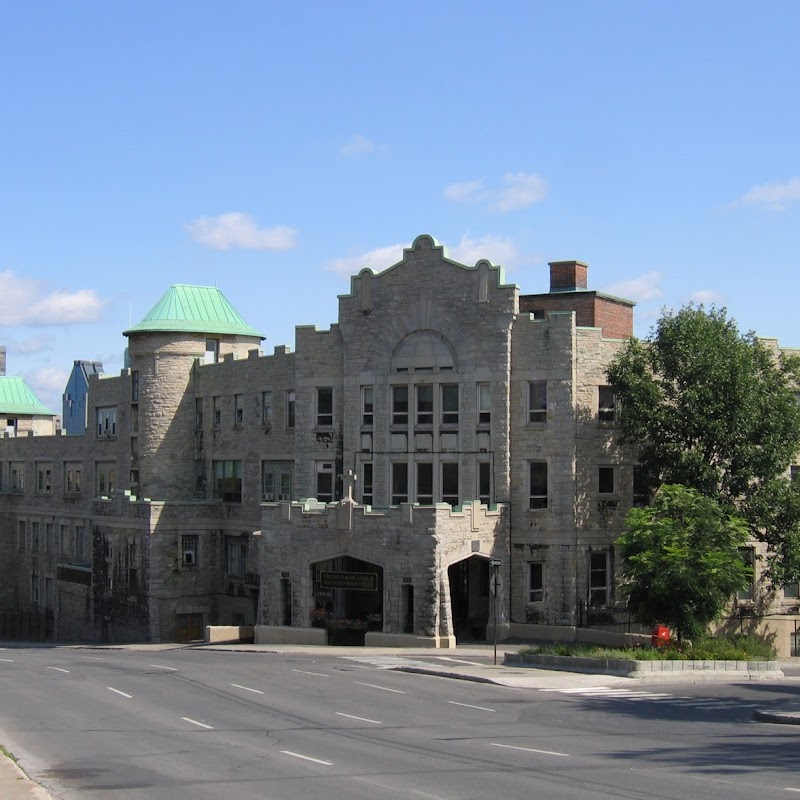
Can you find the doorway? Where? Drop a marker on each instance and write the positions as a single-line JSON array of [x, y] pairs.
[[469, 598]]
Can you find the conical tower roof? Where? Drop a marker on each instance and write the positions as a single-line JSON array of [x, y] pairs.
[[16, 397], [194, 309]]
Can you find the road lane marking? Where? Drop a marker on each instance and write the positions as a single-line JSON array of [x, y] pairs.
[[307, 758], [459, 660], [360, 719], [382, 688], [10, 660], [247, 688], [790, 789], [195, 722], [577, 691], [316, 674], [93, 658], [117, 691], [159, 666], [530, 750], [467, 705], [58, 669]]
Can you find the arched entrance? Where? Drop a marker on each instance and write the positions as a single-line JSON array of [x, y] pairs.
[[348, 598], [469, 598]]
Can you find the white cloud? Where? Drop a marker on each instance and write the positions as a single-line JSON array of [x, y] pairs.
[[519, 190], [775, 196], [469, 251], [645, 287], [464, 192], [47, 380], [235, 229], [378, 259], [32, 345], [707, 297], [358, 146], [27, 302]]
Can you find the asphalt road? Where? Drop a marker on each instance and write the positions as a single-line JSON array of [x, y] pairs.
[[206, 725]]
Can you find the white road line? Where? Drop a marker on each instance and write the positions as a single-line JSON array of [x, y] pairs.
[[93, 658], [247, 688], [307, 758], [58, 669], [459, 660], [467, 705], [360, 719], [576, 691], [10, 660], [117, 691], [530, 750], [195, 722], [790, 789], [316, 674], [382, 688], [159, 666]]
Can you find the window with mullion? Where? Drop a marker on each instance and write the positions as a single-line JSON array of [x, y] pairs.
[[425, 404], [450, 404], [538, 485], [399, 483], [400, 405], [450, 483], [425, 483]]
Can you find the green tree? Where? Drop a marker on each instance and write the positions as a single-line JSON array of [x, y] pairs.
[[715, 410], [682, 562]]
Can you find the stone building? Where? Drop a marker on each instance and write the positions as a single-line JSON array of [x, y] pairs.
[[440, 463]]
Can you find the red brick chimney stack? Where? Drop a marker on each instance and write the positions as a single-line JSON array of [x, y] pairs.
[[568, 276]]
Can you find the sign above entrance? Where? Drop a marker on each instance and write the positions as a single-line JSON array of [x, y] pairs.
[[358, 581]]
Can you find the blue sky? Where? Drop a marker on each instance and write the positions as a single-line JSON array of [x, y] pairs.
[[275, 148]]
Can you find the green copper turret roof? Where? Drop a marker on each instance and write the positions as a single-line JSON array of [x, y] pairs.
[[16, 397], [194, 309]]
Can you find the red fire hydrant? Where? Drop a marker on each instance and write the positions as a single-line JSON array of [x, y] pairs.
[[660, 636]]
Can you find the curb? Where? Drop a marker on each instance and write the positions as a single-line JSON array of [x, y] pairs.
[[778, 717]]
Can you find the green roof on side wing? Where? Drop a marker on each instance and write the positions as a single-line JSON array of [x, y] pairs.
[[16, 397], [194, 309]]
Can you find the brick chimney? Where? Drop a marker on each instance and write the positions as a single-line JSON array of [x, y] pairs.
[[568, 276]]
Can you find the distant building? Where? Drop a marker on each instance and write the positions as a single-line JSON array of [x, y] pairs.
[[2, 360], [73, 405]]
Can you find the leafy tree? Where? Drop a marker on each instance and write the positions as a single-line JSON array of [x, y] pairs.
[[682, 562], [715, 410]]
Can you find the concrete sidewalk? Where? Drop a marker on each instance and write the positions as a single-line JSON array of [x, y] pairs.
[[16, 785]]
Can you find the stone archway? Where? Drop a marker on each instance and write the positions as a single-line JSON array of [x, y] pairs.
[[347, 598], [469, 598]]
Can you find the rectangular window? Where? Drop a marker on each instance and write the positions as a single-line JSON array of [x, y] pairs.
[[598, 579], [484, 482], [236, 556], [400, 405], [535, 582], [450, 404], [450, 483], [399, 483], [366, 483], [198, 413], [791, 591], [641, 488], [605, 480], [324, 482], [367, 405], [794, 472], [80, 543], [22, 534], [199, 476], [276, 480], [238, 410], [537, 401], [216, 407], [135, 386], [106, 422], [748, 555], [189, 550], [63, 539], [34, 588], [134, 419], [266, 409], [425, 483], [18, 477], [228, 481], [606, 404], [538, 485], [43, 478], [290, 409], [106, 479], [35, 543], [484, 404], [212, 351], [49, 593], [49, 537], [425, 404], [324, 407]]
